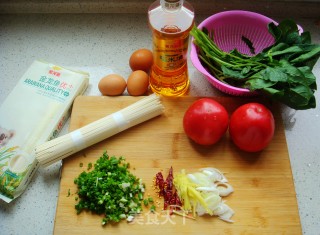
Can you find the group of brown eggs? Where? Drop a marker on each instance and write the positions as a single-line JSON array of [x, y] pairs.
[[137, 83]]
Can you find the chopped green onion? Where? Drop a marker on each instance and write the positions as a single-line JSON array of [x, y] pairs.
[[110, 189], [89, 166], [153, 208], [146, 202]]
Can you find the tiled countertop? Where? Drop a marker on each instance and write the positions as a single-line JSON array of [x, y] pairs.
[[99, 43]]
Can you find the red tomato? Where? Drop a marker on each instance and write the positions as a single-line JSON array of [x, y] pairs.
[[251, 127], [205, 121]]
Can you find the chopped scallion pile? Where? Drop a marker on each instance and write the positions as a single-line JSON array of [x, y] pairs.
[[110, 189]]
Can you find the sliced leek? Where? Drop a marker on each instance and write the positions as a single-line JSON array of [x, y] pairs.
[[201, 192]]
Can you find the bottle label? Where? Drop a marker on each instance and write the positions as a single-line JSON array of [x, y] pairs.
[[171, 5], [170, 54]]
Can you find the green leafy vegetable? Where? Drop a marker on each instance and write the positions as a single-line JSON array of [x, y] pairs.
[[110, 189], [249, 44], [282, 71]]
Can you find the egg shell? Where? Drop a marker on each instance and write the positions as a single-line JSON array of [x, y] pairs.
[[141, 59], [112, 85], [138, 83]]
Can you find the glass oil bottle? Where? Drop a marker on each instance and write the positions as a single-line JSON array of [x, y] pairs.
[[171, 22]]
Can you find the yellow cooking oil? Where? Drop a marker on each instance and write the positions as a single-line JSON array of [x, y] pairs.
[[170, 22]]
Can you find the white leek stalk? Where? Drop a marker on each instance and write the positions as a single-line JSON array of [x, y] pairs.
[[202, 191]]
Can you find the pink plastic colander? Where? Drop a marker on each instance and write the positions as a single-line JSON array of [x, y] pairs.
[[229, 27]]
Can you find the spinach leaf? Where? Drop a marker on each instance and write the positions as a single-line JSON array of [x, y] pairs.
[[249, 44], [287, 31], [311, 56], [299, 97], [257, 84], [233, 73]]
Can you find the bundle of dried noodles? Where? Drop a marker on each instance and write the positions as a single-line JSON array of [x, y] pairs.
[[66, 145]]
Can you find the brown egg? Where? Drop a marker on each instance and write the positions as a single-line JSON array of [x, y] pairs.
[[137, 83], [112, 84], [141, 59]]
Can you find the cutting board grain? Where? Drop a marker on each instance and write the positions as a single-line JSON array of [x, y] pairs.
[[264, 199]]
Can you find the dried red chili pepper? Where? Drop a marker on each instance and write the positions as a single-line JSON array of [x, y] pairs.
[[166, 190], [160, 183]]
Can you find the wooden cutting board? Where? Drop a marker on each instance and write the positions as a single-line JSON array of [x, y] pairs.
[[264, 199]]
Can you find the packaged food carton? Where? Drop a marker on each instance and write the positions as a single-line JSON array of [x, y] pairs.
[[33, 113]]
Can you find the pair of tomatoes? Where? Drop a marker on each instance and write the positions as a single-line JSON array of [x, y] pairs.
[[251, 126]]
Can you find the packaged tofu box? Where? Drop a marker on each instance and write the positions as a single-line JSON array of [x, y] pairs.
[[33, 113]]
